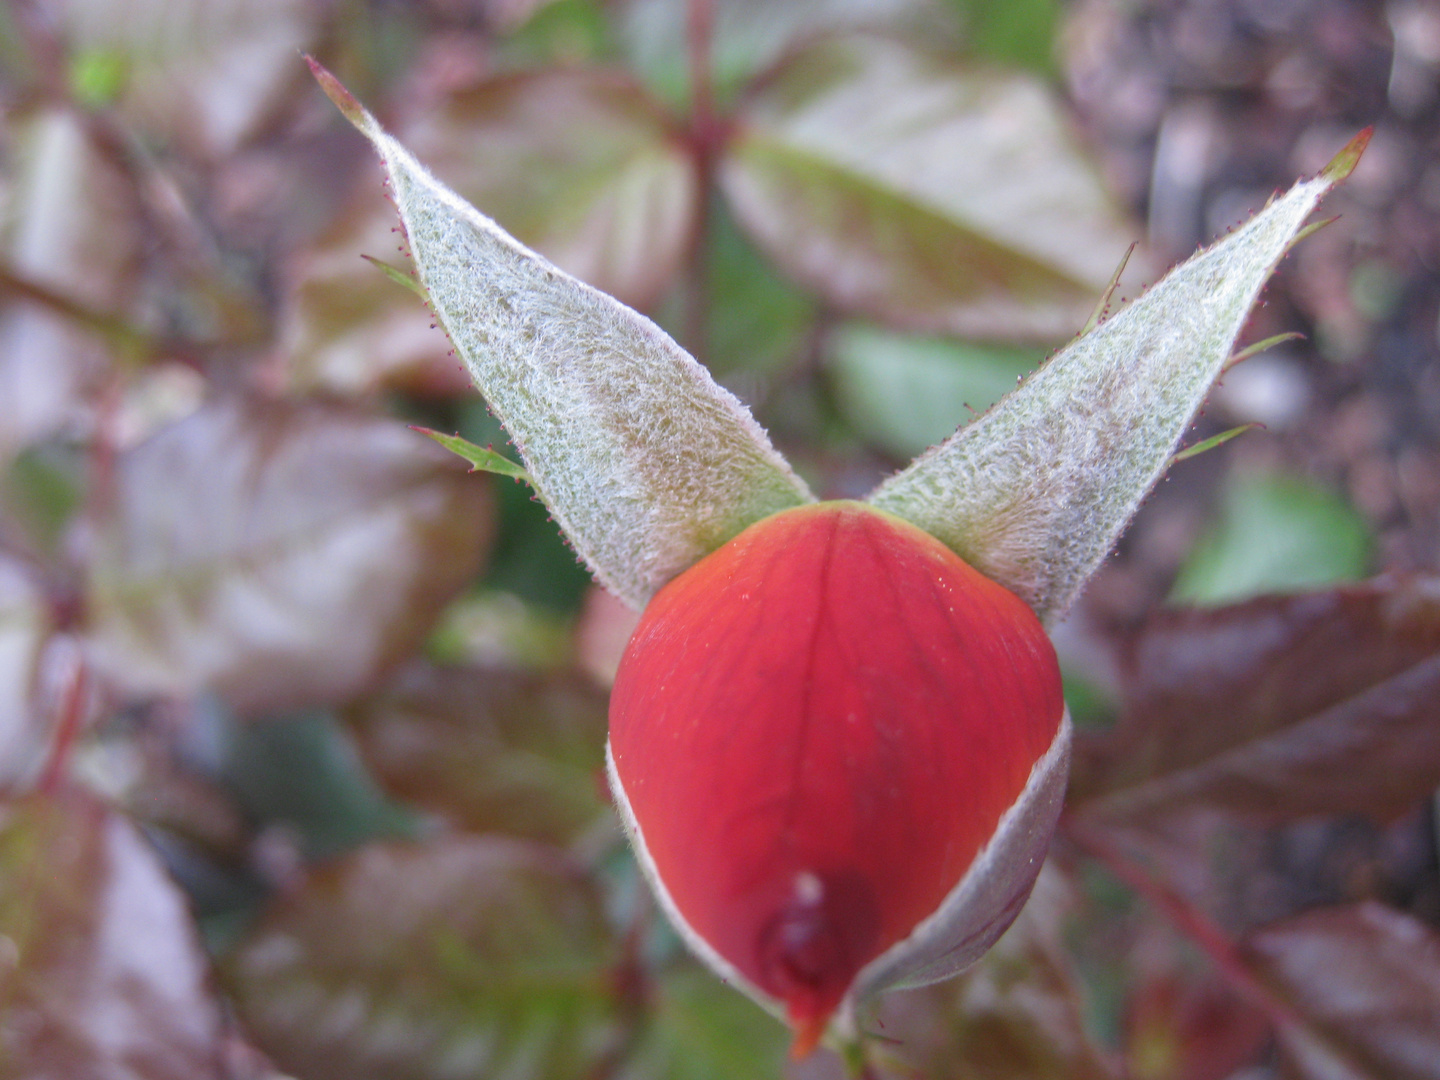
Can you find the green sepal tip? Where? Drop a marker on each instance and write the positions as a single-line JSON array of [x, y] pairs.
[[1343, 163], [481, 459], [1212, 442]]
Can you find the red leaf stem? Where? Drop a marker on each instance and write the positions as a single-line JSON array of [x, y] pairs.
[[1198, 927], [700, 28], [67, 729], [704, 139]]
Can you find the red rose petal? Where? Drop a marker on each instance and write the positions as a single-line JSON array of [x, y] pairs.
[[816, 729]]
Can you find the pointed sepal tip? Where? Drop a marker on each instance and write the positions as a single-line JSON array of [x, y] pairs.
[[481, 459], [405, 280], [1343, 163], [345, 101]]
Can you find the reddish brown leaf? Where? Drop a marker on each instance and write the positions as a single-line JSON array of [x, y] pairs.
[[23, 627], [1014, 1016], [201, 72], [491, 750], [101, 973], [868, 170], [350, 328], [1280, 707], [278, 555], [1186, 1028], [579, 164], [1366, 980], [73, 232], [462, 957]]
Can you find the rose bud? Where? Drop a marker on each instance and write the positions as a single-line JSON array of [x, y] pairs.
[[840, 753], [839, 749]]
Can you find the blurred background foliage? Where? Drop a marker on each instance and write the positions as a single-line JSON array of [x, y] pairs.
[[301, 725]]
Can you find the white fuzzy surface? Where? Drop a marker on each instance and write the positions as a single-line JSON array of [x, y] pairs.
[[645, 462], [1035, 493]]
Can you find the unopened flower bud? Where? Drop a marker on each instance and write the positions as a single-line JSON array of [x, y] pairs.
[[840, 752]]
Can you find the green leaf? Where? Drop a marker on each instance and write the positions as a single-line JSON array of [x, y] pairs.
[[97, 77], [929, 194], [408, 282], [1206, 445], [1020, 32], [465, 956], [757, 321], [1260, 346], [904, 392], [499, 629], [481, 459], [748, 36], [701, 1029], [644, 461], [1274, 534], [557, 32], [1035, 492], [41, 491], [532, 560], [301, 771]]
